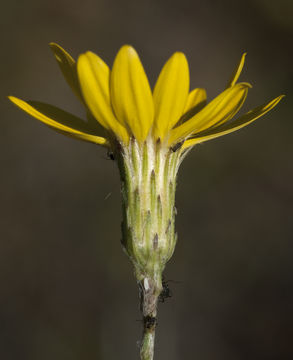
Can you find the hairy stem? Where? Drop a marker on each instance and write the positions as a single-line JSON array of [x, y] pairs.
[[149, 292]]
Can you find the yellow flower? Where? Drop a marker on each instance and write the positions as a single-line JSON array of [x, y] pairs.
[[120, 104], [149, 133]]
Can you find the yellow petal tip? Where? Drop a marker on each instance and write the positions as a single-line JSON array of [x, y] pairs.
[[128, 49], [127, 46], [54, 46], [82, 56], [179, 55], [13, 99], [279, 98], [85, 54], [245, 84], [237, 71]]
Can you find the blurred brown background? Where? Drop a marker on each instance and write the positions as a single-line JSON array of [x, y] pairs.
[[67, 290]]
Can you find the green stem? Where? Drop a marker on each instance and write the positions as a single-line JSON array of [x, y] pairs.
[[147, 344]]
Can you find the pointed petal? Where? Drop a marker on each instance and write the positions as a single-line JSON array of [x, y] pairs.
[[68, 67], [244, 120], [170, 94], [237, 71], [57, 118], [62, 117], [221, 109], [94, 77], [131, 93], [85, 137]]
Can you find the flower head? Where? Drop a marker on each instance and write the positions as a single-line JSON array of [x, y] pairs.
[[149, 133], [120, 104]]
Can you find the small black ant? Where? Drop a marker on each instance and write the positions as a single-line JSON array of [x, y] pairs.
[[166, 292]]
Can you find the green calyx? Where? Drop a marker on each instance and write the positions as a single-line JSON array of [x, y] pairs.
[[148, 182]]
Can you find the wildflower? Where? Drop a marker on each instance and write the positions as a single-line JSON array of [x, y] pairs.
[[148, 133]]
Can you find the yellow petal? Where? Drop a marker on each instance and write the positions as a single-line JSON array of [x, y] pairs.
[[238, 104], [94, 77], [244, 120], [237, 71], [196, 101], [85, 137], [221, 109], [195, 97], [131, 94], [170, 94], [68, 67], [58, 119]]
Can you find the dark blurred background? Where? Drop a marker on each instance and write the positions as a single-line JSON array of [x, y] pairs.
[[67, 290]]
